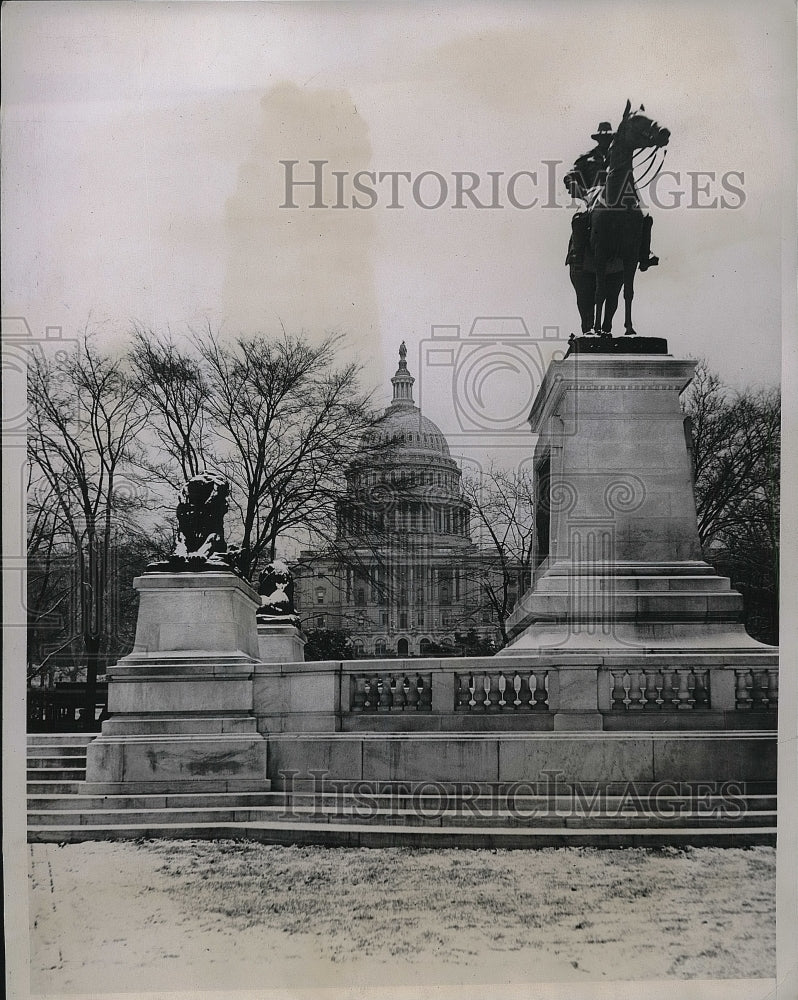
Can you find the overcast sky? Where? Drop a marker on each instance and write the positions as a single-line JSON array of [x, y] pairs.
[[142, 181]]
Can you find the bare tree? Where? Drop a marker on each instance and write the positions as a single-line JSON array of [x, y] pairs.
[[48, 586], [276, 416], [503, 503], [173, 385], [85, 416], [736, 440]]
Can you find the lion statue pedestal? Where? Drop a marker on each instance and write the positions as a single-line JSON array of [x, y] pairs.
[[280, 639], [181, 703]]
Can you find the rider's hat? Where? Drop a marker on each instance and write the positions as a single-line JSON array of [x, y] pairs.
[[604, 132]]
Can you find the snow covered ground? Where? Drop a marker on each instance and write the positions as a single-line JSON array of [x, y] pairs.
[[192, 915]]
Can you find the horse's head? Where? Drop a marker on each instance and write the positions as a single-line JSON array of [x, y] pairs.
[[640, 132]]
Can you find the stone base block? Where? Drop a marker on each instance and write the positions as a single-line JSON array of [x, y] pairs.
[[577, 721], [165, 691], [178, 724], [163, 762], [280, 643], [195, 611], [593, 759], [209, 786]]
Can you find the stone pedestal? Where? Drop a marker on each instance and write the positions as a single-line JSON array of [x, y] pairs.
[[181, 704], [619, 562], [280, 642]]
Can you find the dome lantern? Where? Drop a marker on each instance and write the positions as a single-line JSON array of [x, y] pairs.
[[402, 381]]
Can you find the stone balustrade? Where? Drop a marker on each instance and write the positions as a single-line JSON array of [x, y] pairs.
[[664, 689], [756, 688], [500, 691], [388, 692], [551, 690]]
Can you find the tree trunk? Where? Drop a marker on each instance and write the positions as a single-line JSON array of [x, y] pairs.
[[91, 645]]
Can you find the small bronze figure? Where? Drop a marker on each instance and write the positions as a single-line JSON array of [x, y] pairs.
[[276, 589]]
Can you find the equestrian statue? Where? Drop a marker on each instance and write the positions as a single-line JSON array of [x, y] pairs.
[[610, 236]]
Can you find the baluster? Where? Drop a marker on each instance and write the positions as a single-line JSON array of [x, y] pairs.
[[424, 692], [635, 691], [472, 687], [517, 683], [758, 689], [358, 693], [659, 683], [503, 690], [618, 690], [376, 688], [701, 689], [650, 692], [684, 700], [668, 690], [523, 693], [742, 696], [398, 692], [412, 693], [463, 691], [486, 689], [494, 694], [627, 684], [365, 693], [773, 687], [386, 698], [531, 684], [541, 693]]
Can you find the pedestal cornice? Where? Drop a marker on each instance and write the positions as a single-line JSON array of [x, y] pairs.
[[608, 372]]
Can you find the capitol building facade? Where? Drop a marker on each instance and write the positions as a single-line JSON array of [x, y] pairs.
[[403, 577]]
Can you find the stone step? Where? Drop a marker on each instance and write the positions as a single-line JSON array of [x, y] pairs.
[[398, 817], [40, 774], [54, 787], [338, 786], [80, 802], [610, 586], [69, 760], [56, 750], [60, 739], [385, 801], [385, 835]]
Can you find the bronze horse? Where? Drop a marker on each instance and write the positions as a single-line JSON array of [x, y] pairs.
[[616, 221]]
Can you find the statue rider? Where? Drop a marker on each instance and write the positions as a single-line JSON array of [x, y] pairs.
[[585, 182]]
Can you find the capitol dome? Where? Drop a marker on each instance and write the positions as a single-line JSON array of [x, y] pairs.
[[410, 430], [405, 463], [403, 424]]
